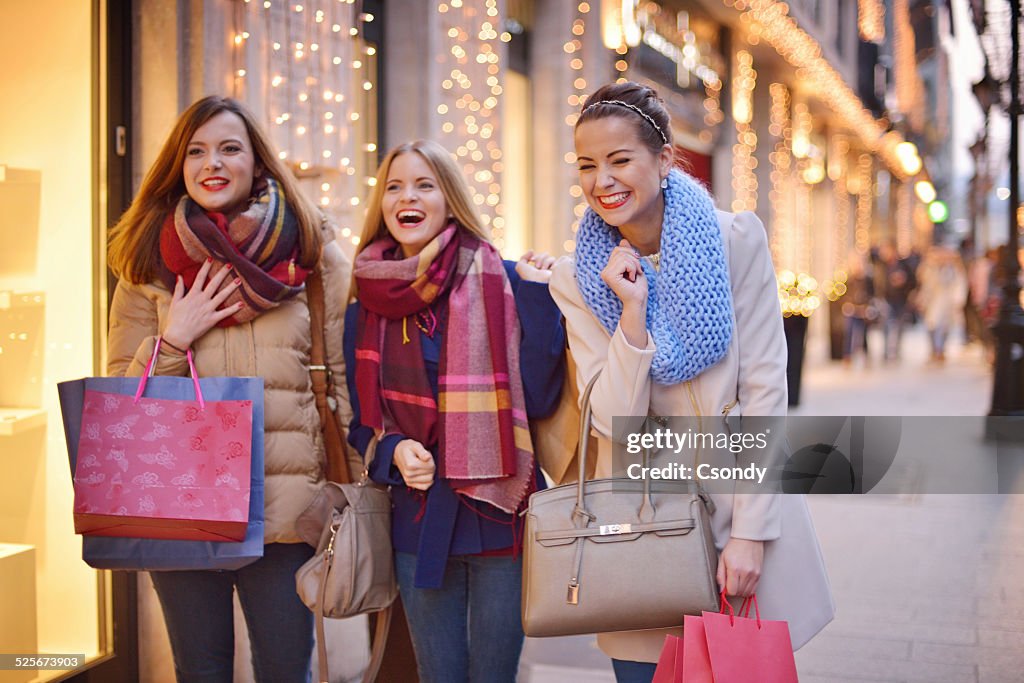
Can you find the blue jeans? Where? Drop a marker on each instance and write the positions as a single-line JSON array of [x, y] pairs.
[[199, 614], [633, 672], [470, 629]]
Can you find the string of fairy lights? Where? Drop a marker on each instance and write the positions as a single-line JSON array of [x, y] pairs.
[[871, 20], [865, 199], [781, 159], [319, 95], [797, 289], [792, 177], [471, 93], [316, 91], [574, 51], [834, 287], [744, 163], [909, 88], [769, 21]]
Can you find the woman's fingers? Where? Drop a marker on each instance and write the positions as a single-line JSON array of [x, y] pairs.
[[218, 278], [544, 261], [221, 296], [227, 311], [204, 271], [423, 454], [415, 463], [624, 263], [740, 565]]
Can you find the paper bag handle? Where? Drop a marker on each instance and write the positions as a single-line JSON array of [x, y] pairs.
[[151, 366]]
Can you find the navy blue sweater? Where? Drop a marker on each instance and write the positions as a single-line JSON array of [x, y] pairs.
[[442, 523]]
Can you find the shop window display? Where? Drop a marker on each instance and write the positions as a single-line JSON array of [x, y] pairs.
[[52, 602]]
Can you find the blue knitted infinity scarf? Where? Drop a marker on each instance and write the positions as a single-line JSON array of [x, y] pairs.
[[689, 302]]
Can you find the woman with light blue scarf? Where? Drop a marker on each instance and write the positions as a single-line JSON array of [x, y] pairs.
[[676, 305]]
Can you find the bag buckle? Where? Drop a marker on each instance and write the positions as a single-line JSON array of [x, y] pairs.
[[330, 543], [613, 529], [573, 596]]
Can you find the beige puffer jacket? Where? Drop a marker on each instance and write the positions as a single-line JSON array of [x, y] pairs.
[[274, 346]]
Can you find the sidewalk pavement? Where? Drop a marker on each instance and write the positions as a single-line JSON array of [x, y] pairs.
[[926, 586]]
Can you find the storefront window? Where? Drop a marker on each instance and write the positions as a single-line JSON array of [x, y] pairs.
[[52, 602]]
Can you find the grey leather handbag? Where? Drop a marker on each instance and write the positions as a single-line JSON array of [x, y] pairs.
[[616, 554], [352, 571]]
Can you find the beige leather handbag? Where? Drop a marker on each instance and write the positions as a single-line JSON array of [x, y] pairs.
[[616, 554], [352, 571]]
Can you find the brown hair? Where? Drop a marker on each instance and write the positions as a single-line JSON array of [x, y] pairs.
[[451, 181], [640, 96], [134, 244]]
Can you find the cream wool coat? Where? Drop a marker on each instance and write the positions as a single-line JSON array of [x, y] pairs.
[[274, 346], [793, 584]]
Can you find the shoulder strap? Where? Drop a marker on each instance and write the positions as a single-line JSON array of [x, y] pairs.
[[380, 639], [323, 382]]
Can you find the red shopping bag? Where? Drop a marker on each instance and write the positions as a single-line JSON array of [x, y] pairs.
[[743, 650], [670, 662], [163, 468], [696, 660], [725, 648], [686, 659]]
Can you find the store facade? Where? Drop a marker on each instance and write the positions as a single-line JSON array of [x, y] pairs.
[[767, 111], [56, 182]]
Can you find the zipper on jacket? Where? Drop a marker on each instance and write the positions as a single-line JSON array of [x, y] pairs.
[[700, 419], [729, 406], [725, 415]]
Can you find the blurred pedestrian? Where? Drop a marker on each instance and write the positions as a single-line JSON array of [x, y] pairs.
[[858, 307], [894, 281], [979, 282], [943, 289]]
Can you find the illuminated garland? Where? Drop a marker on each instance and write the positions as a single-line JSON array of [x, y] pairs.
[[781, 242], [468, 110], [909, 89], [841, 197], [573, 48], [871, 20], [905, 219], [769, 20], [744, 180], [316, 89], [865, 198]]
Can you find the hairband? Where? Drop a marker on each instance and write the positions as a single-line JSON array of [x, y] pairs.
[[635, 108]]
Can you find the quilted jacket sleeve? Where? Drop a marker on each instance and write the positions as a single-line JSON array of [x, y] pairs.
[[135, 322]]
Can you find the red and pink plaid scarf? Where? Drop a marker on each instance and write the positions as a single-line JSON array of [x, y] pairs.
[[261, 244], [478, 422]]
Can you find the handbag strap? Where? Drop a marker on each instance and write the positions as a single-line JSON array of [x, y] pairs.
[[380, 635], [582, 445], [151, 367], [580, 513], [323, 382]]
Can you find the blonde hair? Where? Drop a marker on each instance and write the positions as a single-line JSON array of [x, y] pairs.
[[133, 251], [451, 181]]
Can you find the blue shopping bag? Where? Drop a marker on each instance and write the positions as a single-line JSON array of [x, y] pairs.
[[103, 552]]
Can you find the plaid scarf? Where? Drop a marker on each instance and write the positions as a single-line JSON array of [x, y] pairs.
[[261, 244], [478, 422]]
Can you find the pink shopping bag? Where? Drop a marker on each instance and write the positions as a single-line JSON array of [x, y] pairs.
[[742, 649], [163, 468], [726, 648], [670, 662]]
